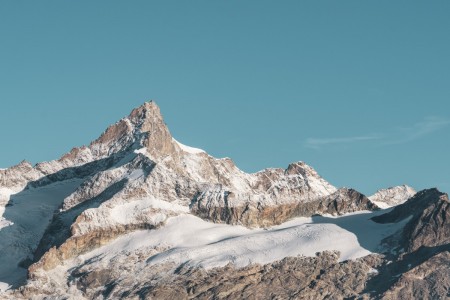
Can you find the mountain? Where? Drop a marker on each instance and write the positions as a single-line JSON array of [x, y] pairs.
[[392, 196], [136, 214]]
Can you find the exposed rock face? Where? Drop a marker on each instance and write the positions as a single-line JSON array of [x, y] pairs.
[[429, 225], [432, 227], [223, 209], [421, 261], [345, 201], [144, 127], [76, 245], [158, 140], [414, 206], [18, 175], [319, 277], [392, 196], [428, 280]]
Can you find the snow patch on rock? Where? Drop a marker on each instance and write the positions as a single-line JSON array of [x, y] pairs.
[[188, 149], [141, 151], [4, 287]]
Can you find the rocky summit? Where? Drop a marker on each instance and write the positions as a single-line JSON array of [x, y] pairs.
[[138, 215]]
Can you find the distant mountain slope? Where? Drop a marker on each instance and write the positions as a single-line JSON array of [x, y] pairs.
[[392, 196]]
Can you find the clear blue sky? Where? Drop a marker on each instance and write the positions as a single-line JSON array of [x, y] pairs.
[[360, 90]]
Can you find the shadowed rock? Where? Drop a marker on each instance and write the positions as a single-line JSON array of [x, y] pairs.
[[340, 202], [429, 225]]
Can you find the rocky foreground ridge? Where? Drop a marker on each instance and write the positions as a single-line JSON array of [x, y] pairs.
[[135, 179]]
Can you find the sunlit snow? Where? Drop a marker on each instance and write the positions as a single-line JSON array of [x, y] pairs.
[[188, 149], [199, 243]]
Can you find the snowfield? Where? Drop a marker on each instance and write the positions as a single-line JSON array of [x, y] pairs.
[[381, 205], [190, 240]]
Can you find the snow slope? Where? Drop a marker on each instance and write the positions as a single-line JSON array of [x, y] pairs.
[[5, 194], [28, 215], [186, 239]]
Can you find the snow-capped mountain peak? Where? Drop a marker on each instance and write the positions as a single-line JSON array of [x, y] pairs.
[[136, 181], [145, 126]]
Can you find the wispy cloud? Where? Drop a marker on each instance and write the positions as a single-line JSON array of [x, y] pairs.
[[418, 130], [317, 143], [397, 136]]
